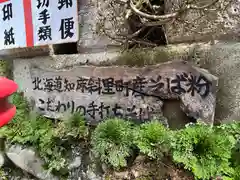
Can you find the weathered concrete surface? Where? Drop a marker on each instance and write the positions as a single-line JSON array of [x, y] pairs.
[[90, 40], [24, 52], [134, 93], [222, 23], [222, 60], [28, 161]]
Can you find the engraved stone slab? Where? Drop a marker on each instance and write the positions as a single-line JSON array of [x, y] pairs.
[[130, 93]]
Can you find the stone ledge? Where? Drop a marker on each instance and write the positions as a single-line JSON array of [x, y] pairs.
[[136, 57], [221, 59], [24, 52]]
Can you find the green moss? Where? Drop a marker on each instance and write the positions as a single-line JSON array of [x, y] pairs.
[[144, 178], [4, 68], [3, 175], [74, 127], [206, 151], [152, 139], [140, 57], [112, 142], [42, 134]]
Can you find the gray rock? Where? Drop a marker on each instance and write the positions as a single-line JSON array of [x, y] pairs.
[[91, 175], [122, 175], [138, 98], [222, 60], [176, 118], [2, 159], [27, 160], [76, 163], [91, 40]]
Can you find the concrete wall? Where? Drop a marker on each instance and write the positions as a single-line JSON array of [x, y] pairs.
[[223, 25], [90, 40], [213, 24], [221, 60]]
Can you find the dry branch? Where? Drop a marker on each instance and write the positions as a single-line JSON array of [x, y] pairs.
[[190, 15]]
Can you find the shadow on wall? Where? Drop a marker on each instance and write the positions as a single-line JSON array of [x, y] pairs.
[[177, 119], [66, 48]]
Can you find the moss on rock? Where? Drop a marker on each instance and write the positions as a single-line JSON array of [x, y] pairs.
[[140, 57], [5, 68]]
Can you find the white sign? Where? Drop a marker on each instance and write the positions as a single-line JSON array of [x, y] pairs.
[[27, 23]]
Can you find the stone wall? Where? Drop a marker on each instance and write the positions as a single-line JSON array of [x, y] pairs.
[[198, 26], [220, 59], [90, 40], [223, 25]]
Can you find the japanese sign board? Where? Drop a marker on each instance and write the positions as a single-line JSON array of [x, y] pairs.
[[116, 91], [28, 23]]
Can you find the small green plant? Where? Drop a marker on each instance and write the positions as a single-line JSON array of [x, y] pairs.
[[37, 132], [22, 108], [203, 151], [3, 175], [41, 133], [21, 115], [74, 127], [236, 174], [232, 128], [207, 152], [112, 142], [153, 139]]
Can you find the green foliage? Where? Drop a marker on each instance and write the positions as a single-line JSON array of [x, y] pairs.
[[73, 127], [232, 128], [3, 175], [236, 174], [207, 152], [21, 115], [153, 139], [112, 141], [42, 133], [203, 151], [5, 68]]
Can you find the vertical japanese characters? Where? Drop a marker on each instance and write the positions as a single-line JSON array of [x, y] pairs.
[[44, 31], [28, 23], [67, 24], [7, 14]]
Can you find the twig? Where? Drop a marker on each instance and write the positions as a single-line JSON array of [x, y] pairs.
[[154, 17], [203, 7], [171, 15], [157, 23], [124, 39], [144, 43], [136, 33]]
